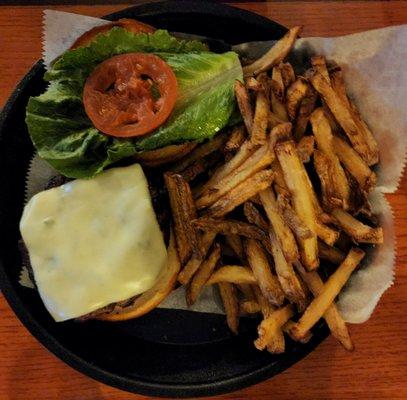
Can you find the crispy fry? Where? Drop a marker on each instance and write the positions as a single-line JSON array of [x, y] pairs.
[[249, 307], [268, 327], [183, 212], [296, 224], [247, 291], [252, 83], [326, 173], [239, 194], [333, 319], [236, 139], [165, 155], [287, 73], [319, 64], [354, 164], [280, 133], [202, 275], [277, 343], [243, 101], [274, 120], [275, 55], [286, 275], [201, 151], [260, 120], [287, 329], [277, 100], [200, 166], [360, 137], [205, 242], [357, 230], [232, 274], [231, 304], [295, 94], [305, 109], [305, 148], [243, 153], [300, 187], [267, 282], [228, 227], [253, 215], [235, 242], [277, 77], [338, 85], [329, 253], [279, 183], [259, 160], [283, 233], [325, 142], [266, 307], [326, 233], [327, 295]]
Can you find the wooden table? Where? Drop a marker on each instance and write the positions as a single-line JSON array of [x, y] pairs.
[[376, 370]]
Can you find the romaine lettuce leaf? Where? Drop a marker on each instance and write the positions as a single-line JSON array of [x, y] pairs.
[[65, 137]]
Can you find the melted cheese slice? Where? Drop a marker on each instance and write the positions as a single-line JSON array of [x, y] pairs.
[[93, 242]]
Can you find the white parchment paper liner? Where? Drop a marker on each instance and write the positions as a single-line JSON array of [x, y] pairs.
[[376, 78]]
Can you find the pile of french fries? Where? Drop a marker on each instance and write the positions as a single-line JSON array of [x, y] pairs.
[[263, 208]]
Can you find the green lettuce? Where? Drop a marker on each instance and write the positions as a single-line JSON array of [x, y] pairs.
[[65, 137]]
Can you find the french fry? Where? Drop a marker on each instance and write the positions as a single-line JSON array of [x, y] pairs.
[[277, 77], [280, 133], [357, 230], [326, 233], [231, 304], [305, 148], [253, 215], [260, 120], [183, 212], [236, 139], [277, 100], [300, 187], [287, 73], [332, 317], [200, 166], [294, 96], [329, 253], [354, 164], [259, 160], [305, 109], [247, 291], [202, 275], [268, 283], [249, 307], [286, 275], [325, 169], [205, 242], [319, 64], [243, 153], [235, 242], [228, 227], [241, 193], [291, 218], [279, 183], [275, 55], [201, 151], [325, 142], [274, 120], [268, 327], [243, 102], [360, 137], [338, 85], [252, 83], [327, 295], [165, 155], [287, 329], [232, 274], [283, 233], [277, 343], [266, 307]]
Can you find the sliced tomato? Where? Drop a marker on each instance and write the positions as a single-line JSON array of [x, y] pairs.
[[130, 25], [130, 94]]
